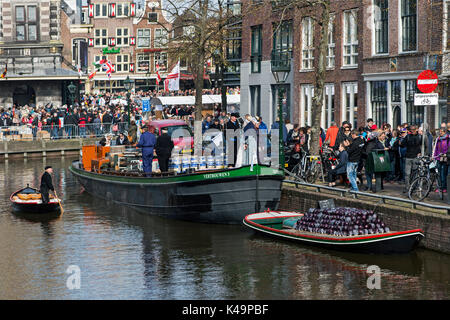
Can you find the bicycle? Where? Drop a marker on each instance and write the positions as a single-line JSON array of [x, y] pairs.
[[423, 179], [308, 169]]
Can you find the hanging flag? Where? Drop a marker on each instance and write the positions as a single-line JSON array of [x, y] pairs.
[[158, 76], [174, 78], [3, 75], [80, 72], [166, 85], [91, 11], [92, 74]]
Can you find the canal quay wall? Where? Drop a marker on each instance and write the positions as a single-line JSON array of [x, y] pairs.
[[42, 148], [435, 224]]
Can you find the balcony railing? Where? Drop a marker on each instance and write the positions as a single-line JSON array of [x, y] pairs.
[[281, 60]]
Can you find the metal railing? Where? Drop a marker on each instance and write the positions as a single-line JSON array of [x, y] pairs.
[[382, 198], [68, 131]]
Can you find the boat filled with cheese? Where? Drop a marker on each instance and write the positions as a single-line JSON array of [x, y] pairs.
[[198, 189], [345, 229]]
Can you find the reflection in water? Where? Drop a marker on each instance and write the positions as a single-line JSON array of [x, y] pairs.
[[123, 254]]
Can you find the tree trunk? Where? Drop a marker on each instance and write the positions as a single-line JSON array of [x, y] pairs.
[[317, 101]]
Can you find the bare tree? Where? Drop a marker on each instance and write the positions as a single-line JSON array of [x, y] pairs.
[[319, 12]]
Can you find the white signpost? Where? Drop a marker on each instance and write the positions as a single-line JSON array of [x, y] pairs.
[[426, 99]]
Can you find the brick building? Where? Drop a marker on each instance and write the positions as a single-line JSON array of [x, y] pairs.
[[376, 50], [31, 49], [403, 38]]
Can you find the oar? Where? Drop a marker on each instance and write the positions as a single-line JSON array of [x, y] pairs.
[[60, 205]]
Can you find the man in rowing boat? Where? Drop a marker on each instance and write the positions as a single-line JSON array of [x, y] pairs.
[[46, 184]]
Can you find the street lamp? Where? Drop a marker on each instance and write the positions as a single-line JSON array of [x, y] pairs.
[[71, 88], [281, 66], [128, 84]]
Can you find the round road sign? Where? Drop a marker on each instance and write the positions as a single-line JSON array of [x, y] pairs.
[[427, 81]]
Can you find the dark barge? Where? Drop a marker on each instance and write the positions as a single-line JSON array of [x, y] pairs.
[[223, 196]]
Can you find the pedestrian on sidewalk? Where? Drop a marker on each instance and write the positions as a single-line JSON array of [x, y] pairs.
[[354, 149], [440, 155]]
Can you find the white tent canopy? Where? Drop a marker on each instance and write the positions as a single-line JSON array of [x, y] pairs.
[[206, 99]]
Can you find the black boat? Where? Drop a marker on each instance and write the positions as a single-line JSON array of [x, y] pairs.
[[223, 196], [29, 200]]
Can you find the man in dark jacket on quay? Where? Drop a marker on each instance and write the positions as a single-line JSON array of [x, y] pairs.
[[46, 184], [354, 150], [164, 146], [413, 144]]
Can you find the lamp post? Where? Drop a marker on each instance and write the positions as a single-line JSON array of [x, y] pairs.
[[281, 66], [128, 84], [71, 88]]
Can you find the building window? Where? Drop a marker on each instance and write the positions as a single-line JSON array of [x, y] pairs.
[[143, 38], [161, 38], [350, 103], [122, 61], [329, 105], [282, 38], [307, 94], [256, 49], [331, 51], [143, 62], [122, 37], [26, 23], [414, 114], [307, 43], [100, 37], [350, 38], [396, 91], [381, 17], [379, 102], [409, 25], [255, 100], [161, 59], [101, 10], [99, 58], [152, 17], [123, 9]]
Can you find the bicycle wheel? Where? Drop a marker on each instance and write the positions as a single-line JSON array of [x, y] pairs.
[[419, 189], [296, 170], [312, 174]]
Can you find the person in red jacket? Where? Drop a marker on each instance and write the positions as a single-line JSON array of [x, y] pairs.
[[331, 135]]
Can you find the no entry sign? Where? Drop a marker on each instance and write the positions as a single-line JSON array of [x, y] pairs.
[[427, 81]]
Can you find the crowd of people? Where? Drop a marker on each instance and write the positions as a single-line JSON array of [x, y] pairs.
[[109, 113], [352, 148]]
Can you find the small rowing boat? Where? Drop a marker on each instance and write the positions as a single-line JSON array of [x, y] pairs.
[[30, 200], [283, 225]]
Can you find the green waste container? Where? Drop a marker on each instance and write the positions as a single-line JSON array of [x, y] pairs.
[[379, 161]]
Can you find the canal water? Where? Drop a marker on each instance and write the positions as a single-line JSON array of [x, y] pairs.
[[122, 254]]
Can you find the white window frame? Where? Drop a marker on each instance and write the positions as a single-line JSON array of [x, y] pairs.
[[331, 48], [351, 43], [445, 24], [352, 87], [307, 43], [373, 27], [98, 58], [140, 37], [329, 96], [122, 38], [121, 64], [156, 38], [101, 37], [98, 15], [306, 106], [149, 55], [122, 5], [400, 29], [163, 68]]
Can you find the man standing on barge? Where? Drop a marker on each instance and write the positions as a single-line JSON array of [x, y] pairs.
[[147, 142]]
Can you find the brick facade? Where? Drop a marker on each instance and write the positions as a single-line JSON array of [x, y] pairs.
[[353, 85]]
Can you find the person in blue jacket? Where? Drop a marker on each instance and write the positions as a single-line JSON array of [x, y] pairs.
[[147, 142]]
